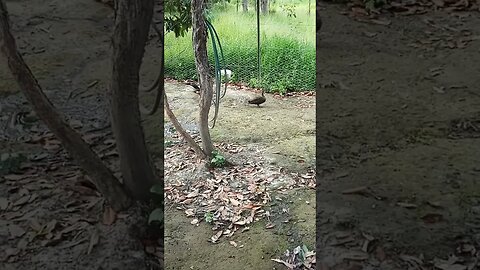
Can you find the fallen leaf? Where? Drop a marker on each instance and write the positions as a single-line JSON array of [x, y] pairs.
[[269, 226], [380, 254], [189, 212], [50, 226], [411, 259], [439, 3], [94, 239], [432, 218], [289, 265], [15, 177], [109, 216], [356, 190], [439, 89], [217, 236], [234, 202], [355, 256], [435, 204], [3, 203], [23, 200], [370, 34], [381, 22], [407, 205]]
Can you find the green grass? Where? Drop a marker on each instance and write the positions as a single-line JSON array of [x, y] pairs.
[[287, 46]]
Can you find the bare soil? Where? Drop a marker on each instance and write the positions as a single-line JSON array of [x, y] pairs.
[[398, 128], [277, 135]]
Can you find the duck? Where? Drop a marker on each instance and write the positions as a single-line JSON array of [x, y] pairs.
[[258, 100], [195, 86]]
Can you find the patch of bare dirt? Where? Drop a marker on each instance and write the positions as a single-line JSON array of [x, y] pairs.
[[397, 140]]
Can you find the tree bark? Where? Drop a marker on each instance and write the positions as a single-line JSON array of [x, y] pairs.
[[102, 177], [182, 131], [245, 5], [132, 21], [264, 6], [203, 70]]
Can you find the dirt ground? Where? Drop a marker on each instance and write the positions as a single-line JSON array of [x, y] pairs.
[[398, 128], [52, 219], [278, 134]]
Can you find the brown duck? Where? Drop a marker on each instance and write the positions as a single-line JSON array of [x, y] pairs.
[[258, 100]]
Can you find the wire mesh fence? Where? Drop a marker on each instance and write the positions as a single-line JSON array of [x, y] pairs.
[[287, 54]]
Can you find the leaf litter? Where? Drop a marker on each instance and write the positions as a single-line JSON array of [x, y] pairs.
[[50, 202], [229, 198]]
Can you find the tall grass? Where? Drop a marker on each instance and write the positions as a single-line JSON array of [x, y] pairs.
[[287, 49]]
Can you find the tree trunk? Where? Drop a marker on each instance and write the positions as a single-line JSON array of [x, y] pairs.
[[264, 6], [245, 5], [181, 130], [204, 79], [102, 177], [132, 22]]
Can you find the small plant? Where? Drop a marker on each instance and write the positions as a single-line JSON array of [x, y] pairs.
[[168, 143], [254, 83], [208, 217], [218, 160], [282, 86], [157, 214], [10, 162]]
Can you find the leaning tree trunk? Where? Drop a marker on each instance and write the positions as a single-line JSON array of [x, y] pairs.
[[203, 70], [132, 23], [102, 177], [245, 5], [264, 6]]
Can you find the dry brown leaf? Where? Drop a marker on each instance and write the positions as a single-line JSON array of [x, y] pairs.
[[216, 237], [355, 255], [435, 204], [75, 243], [356, 190], [94, 239], [412, 260], [288, 265], [190, 212], [50, 226], [192, 194], [407, 205], [431, 218], [15, 177], [439, 3], [23, 200], [269, 226], [109, 216], [234, 202], [440, 89], [381, 22], [3, 203], [380, 254]]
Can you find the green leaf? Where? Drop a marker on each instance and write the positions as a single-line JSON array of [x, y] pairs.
[[156, 215]]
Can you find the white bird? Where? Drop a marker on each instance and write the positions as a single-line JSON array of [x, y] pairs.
[[227, 73]]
